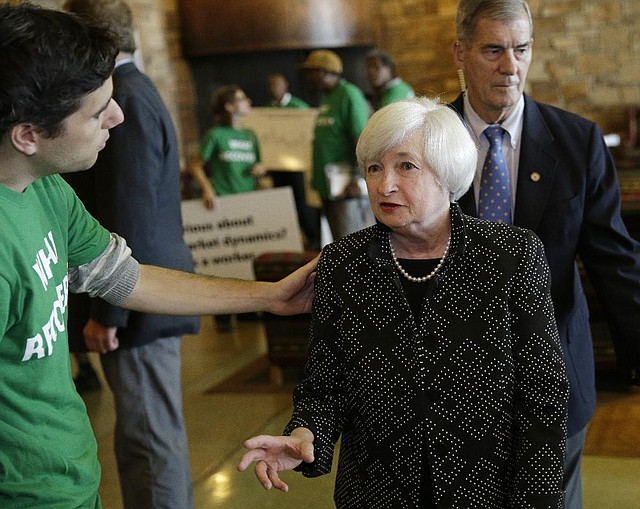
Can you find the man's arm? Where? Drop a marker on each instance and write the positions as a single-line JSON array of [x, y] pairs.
[[611, 257], [172, 292], [166, 291], [116, 277]]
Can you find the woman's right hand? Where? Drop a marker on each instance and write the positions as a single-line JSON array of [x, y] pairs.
[[276, 454]]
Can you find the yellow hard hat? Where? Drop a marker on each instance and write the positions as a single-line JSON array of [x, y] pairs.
[[323, 59]]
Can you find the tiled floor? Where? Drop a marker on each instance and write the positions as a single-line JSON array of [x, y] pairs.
[[219, 423]]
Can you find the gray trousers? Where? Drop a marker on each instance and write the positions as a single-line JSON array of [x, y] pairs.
[[573, 472], [150, 437]]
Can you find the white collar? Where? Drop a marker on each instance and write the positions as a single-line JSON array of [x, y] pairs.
[[286, 99], [122, 62], [512, 124]]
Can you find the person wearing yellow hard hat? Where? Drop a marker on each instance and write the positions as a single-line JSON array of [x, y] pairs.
[[342, 114]]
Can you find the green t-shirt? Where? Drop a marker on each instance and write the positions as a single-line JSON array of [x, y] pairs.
[[229, 154], [397, 90], [342, 114], [48, 456]]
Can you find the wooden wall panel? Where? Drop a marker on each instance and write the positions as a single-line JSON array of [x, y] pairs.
[[211, 27]]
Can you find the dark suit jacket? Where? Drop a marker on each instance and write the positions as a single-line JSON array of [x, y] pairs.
[[574, 207], [134, 190]]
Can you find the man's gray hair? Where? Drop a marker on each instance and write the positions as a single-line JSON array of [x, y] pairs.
[[470, 11]]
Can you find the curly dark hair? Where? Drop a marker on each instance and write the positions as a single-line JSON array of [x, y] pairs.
[[49, 61]]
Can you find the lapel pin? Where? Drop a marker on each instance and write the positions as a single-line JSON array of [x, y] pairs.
[[535, 176]]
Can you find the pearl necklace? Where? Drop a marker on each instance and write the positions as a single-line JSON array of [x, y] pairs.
[[423, 278]]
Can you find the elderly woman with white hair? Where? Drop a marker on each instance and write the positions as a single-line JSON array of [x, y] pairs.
[[434, 353]]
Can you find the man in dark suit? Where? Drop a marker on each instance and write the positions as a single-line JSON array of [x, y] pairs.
[[563, 186], [134, 190]]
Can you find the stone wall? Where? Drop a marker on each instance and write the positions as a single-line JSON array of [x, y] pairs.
[[586, 54]]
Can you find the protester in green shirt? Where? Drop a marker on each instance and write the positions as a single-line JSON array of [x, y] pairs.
[[278, 87], [230, 154], [387, 87], [56, 109], [342, 115], [229, 159]]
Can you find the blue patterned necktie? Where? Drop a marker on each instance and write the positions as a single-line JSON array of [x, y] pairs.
[[494, 202]]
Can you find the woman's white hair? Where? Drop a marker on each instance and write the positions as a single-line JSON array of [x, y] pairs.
[[448, 147]]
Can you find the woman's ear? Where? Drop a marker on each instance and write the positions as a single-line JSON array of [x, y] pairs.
[[25, 137]]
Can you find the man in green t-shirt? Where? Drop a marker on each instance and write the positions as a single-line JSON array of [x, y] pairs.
[[308, 217], [342, 114], [278, 86], [56, 110], [387, 86]]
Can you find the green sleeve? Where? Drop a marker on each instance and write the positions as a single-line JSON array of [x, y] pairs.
[[87, 237], [208, 145]]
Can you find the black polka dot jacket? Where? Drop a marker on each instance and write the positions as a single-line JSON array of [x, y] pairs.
[[471, 394]]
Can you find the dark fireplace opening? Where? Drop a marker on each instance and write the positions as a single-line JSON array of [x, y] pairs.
[[249, 70]]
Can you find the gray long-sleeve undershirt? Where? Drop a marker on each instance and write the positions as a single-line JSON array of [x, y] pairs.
[[111, 276]]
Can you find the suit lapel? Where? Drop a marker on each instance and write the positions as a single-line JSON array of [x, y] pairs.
[[537, 168]]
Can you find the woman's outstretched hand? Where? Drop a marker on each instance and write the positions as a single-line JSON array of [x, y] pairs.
[[276, 454]]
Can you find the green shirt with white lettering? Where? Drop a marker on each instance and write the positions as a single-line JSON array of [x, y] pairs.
[[48, 456], [229, 155]]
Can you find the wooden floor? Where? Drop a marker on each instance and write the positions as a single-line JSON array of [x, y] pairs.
[[218, 423], [615, 428]]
